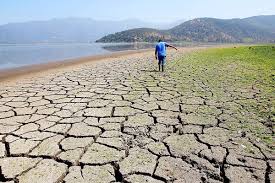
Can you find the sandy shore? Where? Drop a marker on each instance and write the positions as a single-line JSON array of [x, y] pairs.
[[12, 74], [16, 74]]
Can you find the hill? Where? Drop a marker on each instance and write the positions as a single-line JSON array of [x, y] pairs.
[[137, 35], [252, 29], [264, 22]]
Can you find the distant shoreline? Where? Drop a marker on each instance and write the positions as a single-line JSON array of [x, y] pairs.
[[14, 73], [48, 55], [7, 75]]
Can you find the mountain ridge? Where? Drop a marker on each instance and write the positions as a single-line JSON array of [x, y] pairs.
[[251, 29]]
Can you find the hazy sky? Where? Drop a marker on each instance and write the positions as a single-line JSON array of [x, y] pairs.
[[148, 10]]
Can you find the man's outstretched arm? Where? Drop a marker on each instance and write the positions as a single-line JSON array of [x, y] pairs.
[[156, 53], [168, 45]]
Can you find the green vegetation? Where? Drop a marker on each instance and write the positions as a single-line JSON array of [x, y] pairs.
[[135, 35], [240, 80]]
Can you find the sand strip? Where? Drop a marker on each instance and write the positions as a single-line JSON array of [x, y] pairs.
[[15, 73]]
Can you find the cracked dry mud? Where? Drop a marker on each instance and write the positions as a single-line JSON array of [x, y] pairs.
[[120, 121]]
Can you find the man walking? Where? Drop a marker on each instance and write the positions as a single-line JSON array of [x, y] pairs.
[[160, 53]]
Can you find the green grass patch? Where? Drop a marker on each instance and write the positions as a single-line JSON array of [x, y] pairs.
[[244, 75]]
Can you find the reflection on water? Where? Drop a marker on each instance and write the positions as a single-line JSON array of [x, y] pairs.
[[128, 46]]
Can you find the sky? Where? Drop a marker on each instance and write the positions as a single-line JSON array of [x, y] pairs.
[[145, 10]]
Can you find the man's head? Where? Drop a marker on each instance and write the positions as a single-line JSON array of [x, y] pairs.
[[160, 40]]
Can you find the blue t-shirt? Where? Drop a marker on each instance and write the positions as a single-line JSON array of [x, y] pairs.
[[161, 49]]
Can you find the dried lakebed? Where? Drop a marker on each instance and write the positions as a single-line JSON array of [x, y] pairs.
[[121, 121]]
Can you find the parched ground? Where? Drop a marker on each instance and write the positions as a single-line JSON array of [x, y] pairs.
[[121, 121]]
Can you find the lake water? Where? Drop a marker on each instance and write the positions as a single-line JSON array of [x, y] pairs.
[[28, 54], [12, 56]]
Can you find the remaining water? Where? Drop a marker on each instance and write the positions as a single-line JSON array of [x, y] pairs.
[[13, 55], [20, 55]]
